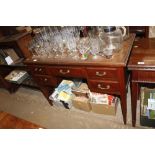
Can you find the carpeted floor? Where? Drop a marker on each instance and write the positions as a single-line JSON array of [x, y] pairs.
[[32, 106]]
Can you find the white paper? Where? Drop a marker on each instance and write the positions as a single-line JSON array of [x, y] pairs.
[[151, 104], [140, 63], [8, 60]]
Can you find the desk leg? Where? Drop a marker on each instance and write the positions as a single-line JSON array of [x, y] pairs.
[[123, 94], [124, 105], [46, 93], [134, 96]]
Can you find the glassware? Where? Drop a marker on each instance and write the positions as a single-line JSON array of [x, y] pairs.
[[113, 38], [63, 41], [95, 46], [108, 53], [127, 33], [84, 47]]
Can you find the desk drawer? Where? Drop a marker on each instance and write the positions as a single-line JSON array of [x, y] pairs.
[[103, 86], [146, 76], [102, 73], [45, 80], [37, 70], [66, 72]]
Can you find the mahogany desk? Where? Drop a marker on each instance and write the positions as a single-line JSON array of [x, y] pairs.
[[142, 66], [102, 75]]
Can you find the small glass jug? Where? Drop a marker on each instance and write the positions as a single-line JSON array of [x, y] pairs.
[[113, 38]]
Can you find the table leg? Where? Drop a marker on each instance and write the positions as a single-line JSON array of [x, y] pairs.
[[134, 96], [124, 105], [123, 94], [46, 93]]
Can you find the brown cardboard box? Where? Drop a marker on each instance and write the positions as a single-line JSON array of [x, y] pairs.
[[104, 109], [81, 103], [79, 93], [82, 90]]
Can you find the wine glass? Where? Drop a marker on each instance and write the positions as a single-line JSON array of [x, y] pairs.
[[95, 46], [84, 47]]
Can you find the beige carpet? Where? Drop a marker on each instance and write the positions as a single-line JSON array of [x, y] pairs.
[[32, 106]]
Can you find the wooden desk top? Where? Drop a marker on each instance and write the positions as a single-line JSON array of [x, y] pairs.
[[8, 121], [118, 59], [143, 54]]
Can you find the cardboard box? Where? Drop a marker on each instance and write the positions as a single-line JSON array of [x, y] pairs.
[[147, 115], [103, 103], [104, 108], [62, 95], [81, 103], [82, 90]]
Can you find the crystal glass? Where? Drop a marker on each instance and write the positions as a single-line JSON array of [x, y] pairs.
[[84, 47], [56, 41], [108, 53], [95, 46]]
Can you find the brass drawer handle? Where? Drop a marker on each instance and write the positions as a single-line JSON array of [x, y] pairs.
[[100, 87], [40, 70], [64, 72], [101, 74], [36, 69], [45, 79]]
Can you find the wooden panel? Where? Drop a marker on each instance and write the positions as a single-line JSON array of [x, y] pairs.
[[46, 80], [103, 86], [1, 83], [146, 76], [67, 71], [143, 54], [102, 73], [23, 45], [4, 71], [37, 70]]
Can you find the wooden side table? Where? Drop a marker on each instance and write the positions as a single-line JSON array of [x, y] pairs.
[[19, 45], [142, 66]]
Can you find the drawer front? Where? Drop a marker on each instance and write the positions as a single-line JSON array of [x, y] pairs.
[[101, 86], [37, 70], [102, 73], [66, 72], [45, 80], [146, 76]]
